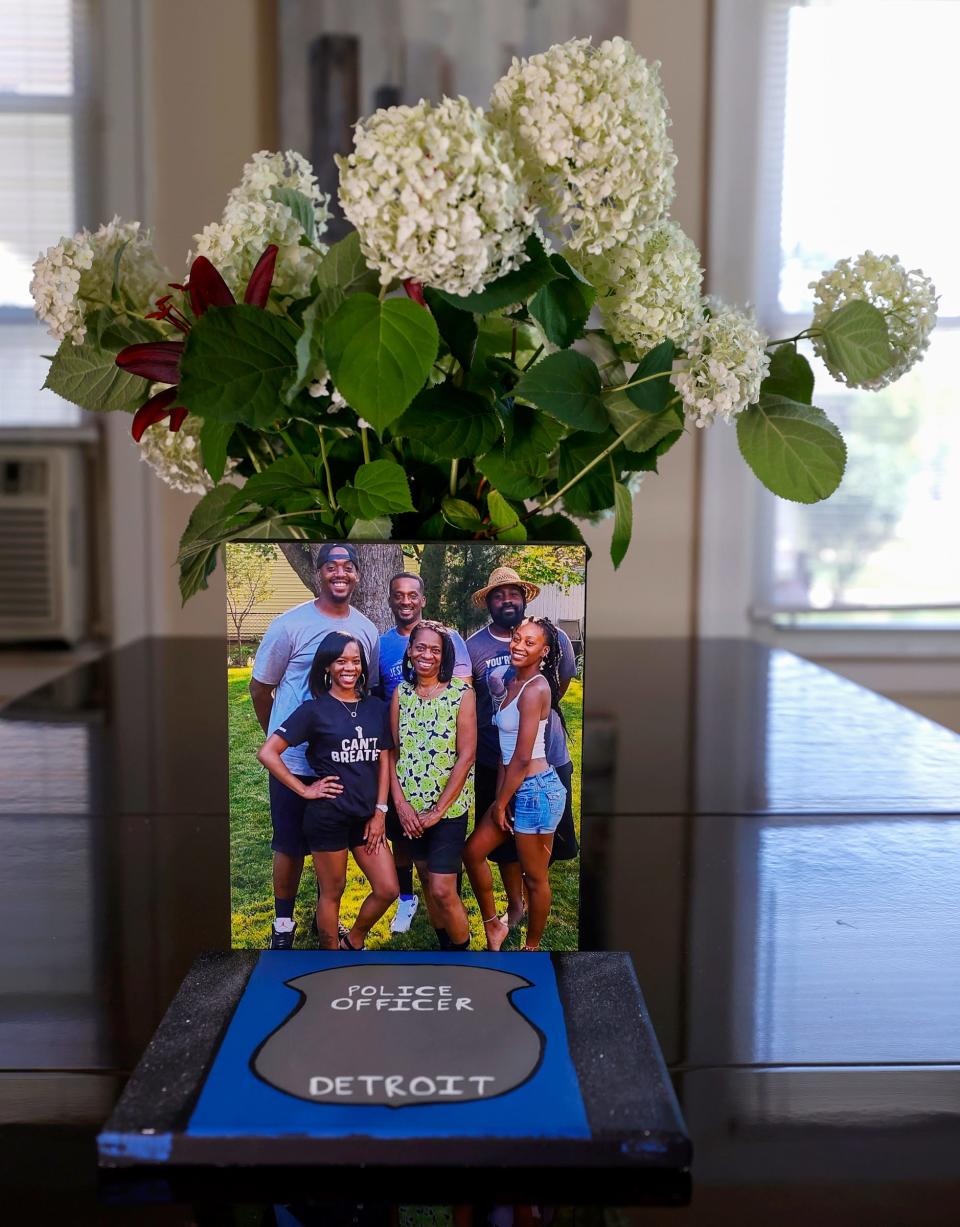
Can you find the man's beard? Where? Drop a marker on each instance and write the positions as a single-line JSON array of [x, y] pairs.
[[508, 618]]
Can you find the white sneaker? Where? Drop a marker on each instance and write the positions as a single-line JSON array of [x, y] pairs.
[[403, 917]]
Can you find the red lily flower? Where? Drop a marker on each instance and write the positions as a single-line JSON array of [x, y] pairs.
[[159, 361], [414, 290]]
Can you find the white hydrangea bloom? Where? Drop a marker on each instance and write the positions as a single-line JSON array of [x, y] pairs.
[[726, 365], [252, 220], [590, 124], [76, 276], [174, 455], [648, 287], [907, 299], [436, 196]]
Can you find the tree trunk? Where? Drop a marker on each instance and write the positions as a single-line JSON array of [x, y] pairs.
[[378, 565]]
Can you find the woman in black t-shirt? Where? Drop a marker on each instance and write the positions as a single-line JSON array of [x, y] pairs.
[[347, 733]]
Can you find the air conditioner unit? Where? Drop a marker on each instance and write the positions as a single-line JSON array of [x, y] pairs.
[[43, 544]]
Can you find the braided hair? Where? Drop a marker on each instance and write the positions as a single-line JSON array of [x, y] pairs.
[[550, 667]]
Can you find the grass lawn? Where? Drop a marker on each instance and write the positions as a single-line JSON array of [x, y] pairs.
[[250, 857]]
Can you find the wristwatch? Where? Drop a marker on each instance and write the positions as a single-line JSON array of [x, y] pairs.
[[381, 807]]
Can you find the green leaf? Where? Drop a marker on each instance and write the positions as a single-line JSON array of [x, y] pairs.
[[856, 342], [509, 478], [115, 285], [504, 518], [562, 306], [309, 348], [594, 491], [513, 287], [453, 423], [528, 434], [495, 336], [214, 514], [380, 354], [214, 440], [236, 363], [458, 328], [461, 514], [646, 461], [344, 268], [652, 396], [87, 374], [622, 522], [567, 386], [790, 376], [289, 484], [380, 488], [553, 528], [371, 530], [646, 429], [794, 449], [300, 206]]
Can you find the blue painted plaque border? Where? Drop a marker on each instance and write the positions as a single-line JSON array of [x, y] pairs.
[[235, 1102]]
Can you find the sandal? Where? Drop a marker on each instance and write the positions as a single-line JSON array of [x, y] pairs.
[[345, 944]]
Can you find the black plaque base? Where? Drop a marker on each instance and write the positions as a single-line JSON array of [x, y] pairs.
[[205, 1111]]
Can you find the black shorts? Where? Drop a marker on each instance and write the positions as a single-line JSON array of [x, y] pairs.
[[393, 826], [327, 830], [286, 813], [565, 846], [440, 847]]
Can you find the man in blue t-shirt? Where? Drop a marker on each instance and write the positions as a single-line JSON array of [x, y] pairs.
[[407, 598], [505, 598], [279, 684]]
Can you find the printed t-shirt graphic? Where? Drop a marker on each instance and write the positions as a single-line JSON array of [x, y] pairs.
[[340, 744]]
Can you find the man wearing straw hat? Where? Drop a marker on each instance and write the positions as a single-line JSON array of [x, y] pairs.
[[505, 598]]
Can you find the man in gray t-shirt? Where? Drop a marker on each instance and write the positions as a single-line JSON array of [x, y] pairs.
[[279, 685]]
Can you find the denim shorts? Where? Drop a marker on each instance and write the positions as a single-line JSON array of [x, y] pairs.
[[538, 804]]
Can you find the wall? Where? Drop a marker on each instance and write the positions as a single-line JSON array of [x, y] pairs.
[[208, 93]]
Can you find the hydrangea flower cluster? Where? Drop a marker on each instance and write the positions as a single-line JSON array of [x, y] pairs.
[[252, 220], [590, 125], [77, 276], [436, 196], [649, 287], [726, 365], [908, 300], [174, 455]]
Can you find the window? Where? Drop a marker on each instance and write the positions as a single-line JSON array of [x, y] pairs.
[[846, 153], [44, 146]]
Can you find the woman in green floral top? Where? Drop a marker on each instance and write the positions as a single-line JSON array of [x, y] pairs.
[[434, 721]]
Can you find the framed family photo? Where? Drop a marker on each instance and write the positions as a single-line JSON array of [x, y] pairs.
[[405, 744]]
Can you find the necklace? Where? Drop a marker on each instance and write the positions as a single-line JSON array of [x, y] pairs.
[[346, 707], [431, 692]]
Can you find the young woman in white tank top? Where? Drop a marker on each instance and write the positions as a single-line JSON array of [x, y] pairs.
[[530, 795]]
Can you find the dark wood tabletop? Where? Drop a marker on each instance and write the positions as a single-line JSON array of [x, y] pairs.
[[777, 848]]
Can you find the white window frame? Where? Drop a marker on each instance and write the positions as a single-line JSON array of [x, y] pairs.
[[736, 512]]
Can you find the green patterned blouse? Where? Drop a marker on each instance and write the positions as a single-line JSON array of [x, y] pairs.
[[427, 747]]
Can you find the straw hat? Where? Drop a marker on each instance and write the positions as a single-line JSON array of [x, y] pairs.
[[500, 578]]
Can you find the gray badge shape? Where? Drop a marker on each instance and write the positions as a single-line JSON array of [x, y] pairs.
[[332, 1050]]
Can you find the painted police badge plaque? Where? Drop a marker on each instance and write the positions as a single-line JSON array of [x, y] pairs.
[[399, 1035]]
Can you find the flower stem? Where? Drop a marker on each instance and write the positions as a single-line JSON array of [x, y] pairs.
[[635, 382], [365, 444], [607, 451], [290, 443], [530, 361], [257, 466], [807, 332], [513, 343], [454, 465], [326, 469]]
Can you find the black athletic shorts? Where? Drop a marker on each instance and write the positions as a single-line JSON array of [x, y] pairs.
[[286, 813], [565, 846], [326, 830], [440, 846], [393, 825]]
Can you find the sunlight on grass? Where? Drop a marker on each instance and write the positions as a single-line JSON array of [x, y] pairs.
[[250, 858]]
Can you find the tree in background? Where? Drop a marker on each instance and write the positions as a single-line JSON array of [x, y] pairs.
[[560, 565], [378, 563], [248, 567]]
